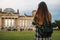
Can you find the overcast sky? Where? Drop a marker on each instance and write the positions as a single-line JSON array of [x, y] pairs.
[[23, 5], [26, 4]]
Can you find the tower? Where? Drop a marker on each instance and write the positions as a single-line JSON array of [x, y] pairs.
[[18, 11], [33, 12], [0, 9]]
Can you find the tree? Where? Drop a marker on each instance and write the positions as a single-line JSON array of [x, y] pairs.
[[57, 23], [54, 24]]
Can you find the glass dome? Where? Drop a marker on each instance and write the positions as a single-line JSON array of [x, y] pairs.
[[9, 10]]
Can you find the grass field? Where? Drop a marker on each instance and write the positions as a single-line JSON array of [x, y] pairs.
[[24, 35]]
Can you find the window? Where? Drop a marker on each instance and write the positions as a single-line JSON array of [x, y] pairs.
[[9, 22]]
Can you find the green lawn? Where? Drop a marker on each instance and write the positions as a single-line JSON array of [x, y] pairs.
[[56, 35], [24, 35]]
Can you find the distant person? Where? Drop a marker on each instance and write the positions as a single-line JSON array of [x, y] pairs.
[[43, 18]]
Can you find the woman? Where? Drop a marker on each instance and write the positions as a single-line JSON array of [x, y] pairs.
[[41, 15]]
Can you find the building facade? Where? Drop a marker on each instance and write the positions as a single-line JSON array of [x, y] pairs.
[[13, 21]]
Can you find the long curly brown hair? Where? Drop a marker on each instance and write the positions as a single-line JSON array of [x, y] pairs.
[[42, 12]]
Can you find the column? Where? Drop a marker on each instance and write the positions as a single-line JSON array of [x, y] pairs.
[[13, 24], [24, 22], [2, 24], [7, 22], [16, 22], [10, 22]]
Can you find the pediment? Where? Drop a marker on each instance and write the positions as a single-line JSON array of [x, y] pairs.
[[9, 14]]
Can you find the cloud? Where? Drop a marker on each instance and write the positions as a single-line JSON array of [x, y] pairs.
[[26, 4], [20, 4], [53, 5]]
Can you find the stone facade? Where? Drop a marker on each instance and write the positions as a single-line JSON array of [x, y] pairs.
[[13, 21]]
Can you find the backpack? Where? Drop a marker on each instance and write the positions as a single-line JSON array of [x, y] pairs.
[[45, 30]]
